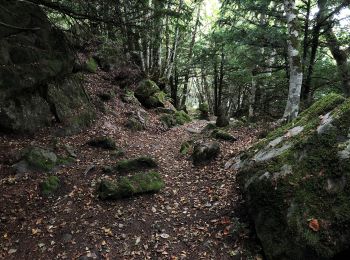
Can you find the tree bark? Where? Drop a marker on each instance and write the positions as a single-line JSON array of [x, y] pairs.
[[189, 58], [341, 59], [294, 59]]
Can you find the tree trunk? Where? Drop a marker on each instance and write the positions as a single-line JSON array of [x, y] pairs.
[[306, 95], [294, 59], [189, 58], [341, 58], [252, 95]]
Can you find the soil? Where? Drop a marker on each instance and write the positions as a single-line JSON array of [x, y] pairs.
[[196, 216]]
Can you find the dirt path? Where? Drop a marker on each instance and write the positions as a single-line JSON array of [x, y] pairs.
[[191, 218]]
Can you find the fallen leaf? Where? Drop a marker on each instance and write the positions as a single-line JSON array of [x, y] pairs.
[[165, 236], [314, 225], [35, 231], [138, 240]]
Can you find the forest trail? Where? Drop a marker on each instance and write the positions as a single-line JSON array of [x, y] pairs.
[[191, 218]]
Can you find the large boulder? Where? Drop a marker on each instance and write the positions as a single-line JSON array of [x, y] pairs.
[[36, 158], [149, 94], [297, 184], [205, 152], [36, 62]]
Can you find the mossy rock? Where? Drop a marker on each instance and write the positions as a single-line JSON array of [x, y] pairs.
[[205, 152], [169, 120], [146, 89], [293, 175], [182, 117], [129, 97], [91, 65], [39, 158], [222, 135], [50, 185], [104, 142], [149, 94], [136, 164], [31, 60], [125, 187], [177, 118], [134, 124]]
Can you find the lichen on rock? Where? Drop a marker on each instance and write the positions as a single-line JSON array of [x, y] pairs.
[[296, 173]]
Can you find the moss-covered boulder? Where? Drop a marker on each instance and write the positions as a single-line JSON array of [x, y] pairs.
[[205, 152], [149, 94], [125, 187], [35, 158], [50, 185], [297, 184], [136, 164], [174, 119], [182, 117], [222, 135], [36, 86], [129, 97], [168, 120], [104, 142]]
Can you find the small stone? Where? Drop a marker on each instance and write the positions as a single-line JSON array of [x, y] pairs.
[[66, 238], [12, 251]]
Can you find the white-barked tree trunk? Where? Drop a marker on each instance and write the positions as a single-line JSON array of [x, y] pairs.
[[294, 57]]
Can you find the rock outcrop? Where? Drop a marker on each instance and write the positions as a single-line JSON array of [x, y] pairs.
[[37, 86], [149, 94], [297, 184]]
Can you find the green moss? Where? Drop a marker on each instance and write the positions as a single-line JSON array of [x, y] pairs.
[[160, 96], [282, 206], [50, 185], [129, 97], [146, 88], [182, 117], [65, 160], [136, 164], [222, 135], [104, 142], [139, 183], [39, 158], [91, 65], [321, 107], [168, 119], [185, 147]]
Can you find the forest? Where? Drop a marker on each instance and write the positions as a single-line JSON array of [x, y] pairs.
[[175, 129]]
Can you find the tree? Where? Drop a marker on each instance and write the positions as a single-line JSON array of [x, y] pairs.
[[294, 60]]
